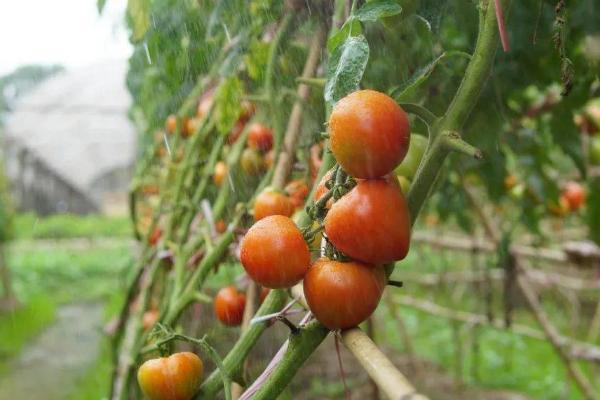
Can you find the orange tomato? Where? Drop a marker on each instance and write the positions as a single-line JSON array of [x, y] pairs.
[[369, 134], [176, 377], [270, 202], [371, 222], [149, 319], [274, 252], [229, 306], [343, 294], [220, 226], [574, 194], [220, 173], [155, 236], [297, 191], [171, 124]]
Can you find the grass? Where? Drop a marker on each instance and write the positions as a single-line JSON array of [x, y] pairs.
[[66, 226], [20, 326]]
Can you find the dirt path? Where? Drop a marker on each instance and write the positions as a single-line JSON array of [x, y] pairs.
[[50, 366]]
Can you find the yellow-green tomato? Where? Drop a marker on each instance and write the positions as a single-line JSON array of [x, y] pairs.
[[410, 164]]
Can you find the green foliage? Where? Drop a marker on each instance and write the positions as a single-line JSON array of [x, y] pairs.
[[346, 68], [139, 13], [227, 102], [64, 226]]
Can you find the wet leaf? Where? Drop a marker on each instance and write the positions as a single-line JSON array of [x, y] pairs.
[[139, 12], [346, 68], [378, 9]]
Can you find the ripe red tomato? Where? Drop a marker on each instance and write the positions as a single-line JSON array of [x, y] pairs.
[[369, 134], [252, 162], [155, 236], [574, 193], [171, 123], [220, 173], [176, 377], [343, 294], [274, 252], [371, 222], [297, 190], [229, 306], [270, 202], [260, 137]]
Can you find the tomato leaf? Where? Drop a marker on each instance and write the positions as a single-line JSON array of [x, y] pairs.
[[402, 91], [351, 27], [139, 13], [346, 68], [378, 9]]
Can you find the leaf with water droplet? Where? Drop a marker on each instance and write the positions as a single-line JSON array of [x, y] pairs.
[[346, 67]]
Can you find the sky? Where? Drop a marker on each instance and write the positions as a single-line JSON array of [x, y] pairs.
[[66, 32]]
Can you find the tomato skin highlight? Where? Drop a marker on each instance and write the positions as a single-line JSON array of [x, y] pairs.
[[274, 253], [369, 134], [260, 137], [343, 294], [176, 377], [229, 306], [371, 223], [270, 203]]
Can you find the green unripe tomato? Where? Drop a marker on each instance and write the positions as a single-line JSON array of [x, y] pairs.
[[408, 167], [595, 150]]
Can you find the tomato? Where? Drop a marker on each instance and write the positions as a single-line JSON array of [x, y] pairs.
[[252, 162], [149, 319], [298, 191], [229, 306], [171, 124], [274, 252], [270, 202], [176, 377], [595, 150], [155, 236], [321, 189], [190, 125], [204, 106], [260, 137], [150, 189], [315, 159], [574, 194], [408, 167], [510, 181], [371, 222], [369, 134], [560, 208], [404, 183], [220, 173], [220, 226], [343, 294]]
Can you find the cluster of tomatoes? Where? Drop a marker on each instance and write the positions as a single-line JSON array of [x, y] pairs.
[[368, 226]]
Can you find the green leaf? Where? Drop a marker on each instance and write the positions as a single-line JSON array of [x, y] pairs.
[[593, 209], [351, 27], [227, 103], [346, 67], [139, 12], [378, 9], [400, 92], [100, 4]]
